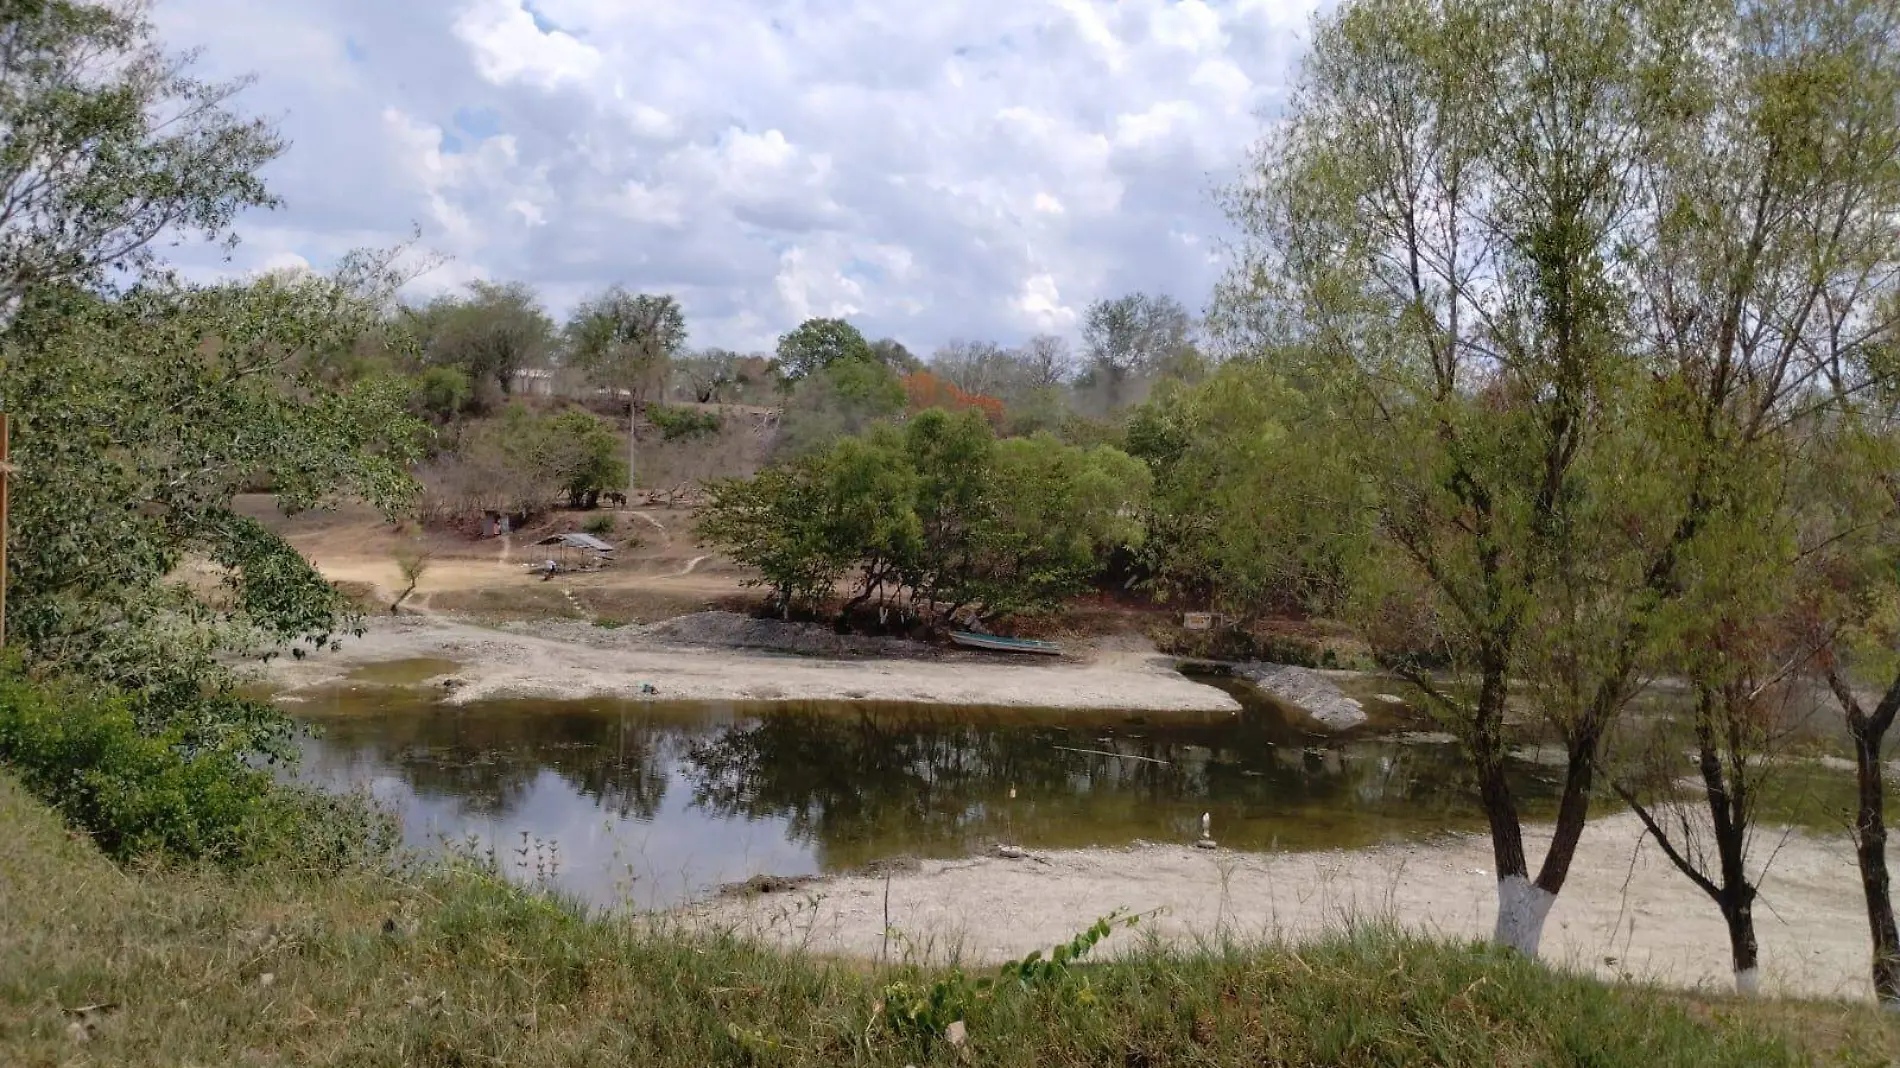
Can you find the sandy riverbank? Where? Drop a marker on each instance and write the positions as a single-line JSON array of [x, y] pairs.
[[1624, 912], [570, 661]]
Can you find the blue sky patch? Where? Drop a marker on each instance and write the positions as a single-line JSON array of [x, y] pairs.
[[479, 123], [541, 21]]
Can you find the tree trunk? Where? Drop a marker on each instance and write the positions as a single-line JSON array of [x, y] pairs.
[[1870, 839], [1738, 911], [633, 414], [1522, 907]]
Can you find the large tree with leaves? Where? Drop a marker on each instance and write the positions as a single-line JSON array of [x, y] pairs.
[[1571, 268], [109, 146], [489, 333], [141, 409], [1128, 336], [816, 344], [138, 419], [626, 342]]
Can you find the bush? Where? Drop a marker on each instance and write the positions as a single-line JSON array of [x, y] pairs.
[[935, 518], [599, 526], [185, 793], [678, 423], [441, 393]]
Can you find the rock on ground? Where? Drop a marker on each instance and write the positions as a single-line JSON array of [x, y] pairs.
[[1309, 691]]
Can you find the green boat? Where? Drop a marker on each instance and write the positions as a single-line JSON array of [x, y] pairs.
[[997, 644]]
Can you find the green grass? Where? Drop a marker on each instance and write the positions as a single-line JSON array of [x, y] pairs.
[[450, 967]]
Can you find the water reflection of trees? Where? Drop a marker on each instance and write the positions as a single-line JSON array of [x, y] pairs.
[[487, 763], [859, 782], [859, 786]]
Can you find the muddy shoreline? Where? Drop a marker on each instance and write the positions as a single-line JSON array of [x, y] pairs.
[[681, 660], [1624, 914]]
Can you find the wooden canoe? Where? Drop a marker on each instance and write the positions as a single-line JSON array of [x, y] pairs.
[[996, 644]]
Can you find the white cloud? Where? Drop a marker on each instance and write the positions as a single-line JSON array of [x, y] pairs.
[[508, 46], [1041, 303], [931, 170]]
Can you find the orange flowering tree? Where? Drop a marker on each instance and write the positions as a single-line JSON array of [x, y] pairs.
[[924, 391]]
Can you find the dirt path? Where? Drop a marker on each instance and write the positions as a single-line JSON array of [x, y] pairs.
[[501, 663], [1625, 911]]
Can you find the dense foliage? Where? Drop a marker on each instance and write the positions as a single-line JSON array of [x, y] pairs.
[[625, 342], [510, 462], [1252, 514], [932, 519], [137, 421], [842, 398], [140, 407], [816, 344], [172, 792]]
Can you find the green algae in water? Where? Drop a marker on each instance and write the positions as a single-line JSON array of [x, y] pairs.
[[410, 672]]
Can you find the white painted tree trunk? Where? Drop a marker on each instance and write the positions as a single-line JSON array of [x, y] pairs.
[[1748, 981], [1522, 909]]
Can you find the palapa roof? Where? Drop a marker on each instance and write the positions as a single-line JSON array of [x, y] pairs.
[[574, 539]]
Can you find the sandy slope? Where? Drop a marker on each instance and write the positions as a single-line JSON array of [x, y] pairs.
[[496, 663], [1624, 909]]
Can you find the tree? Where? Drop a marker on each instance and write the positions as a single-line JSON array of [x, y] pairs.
[[412, 562], [1567, 268], [951, 455], [843, 399], [892, 354], [1130, 335], [625, 342], [771, 524], [708, 373], [1046, 361], [137, 420], [1731, 636], [1057, 512], [1781, 276], [1252, 512], [575, 450], [493, 332], [935, 518], [816, 344], [976, 367], [110, 147], [1478, 354], [1852, 605], [442, 393], [923, 391]]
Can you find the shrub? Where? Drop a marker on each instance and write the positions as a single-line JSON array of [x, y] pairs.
[[180, 794], [676, 423], [600, 525], [935, 518], [441, 393]]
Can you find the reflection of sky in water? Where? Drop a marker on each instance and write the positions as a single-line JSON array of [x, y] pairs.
[[682, 852], [650, 804]]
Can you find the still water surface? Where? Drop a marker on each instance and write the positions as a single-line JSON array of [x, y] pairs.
[[652, 803]]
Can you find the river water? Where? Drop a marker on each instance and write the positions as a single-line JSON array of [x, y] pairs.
[[650, 803]]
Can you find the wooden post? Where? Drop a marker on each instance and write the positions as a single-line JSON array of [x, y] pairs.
[[6, 477]]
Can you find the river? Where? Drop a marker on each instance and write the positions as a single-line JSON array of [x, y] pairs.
[[651, 803]]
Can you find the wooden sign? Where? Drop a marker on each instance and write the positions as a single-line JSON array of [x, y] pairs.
[[1197, 620]]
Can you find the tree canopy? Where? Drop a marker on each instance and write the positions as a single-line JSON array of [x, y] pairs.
[[626, 341], [816, 344]]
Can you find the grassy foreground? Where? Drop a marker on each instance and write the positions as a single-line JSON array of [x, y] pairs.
[[454, 968]]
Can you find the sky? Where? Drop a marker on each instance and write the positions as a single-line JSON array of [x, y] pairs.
[[978, 169]]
